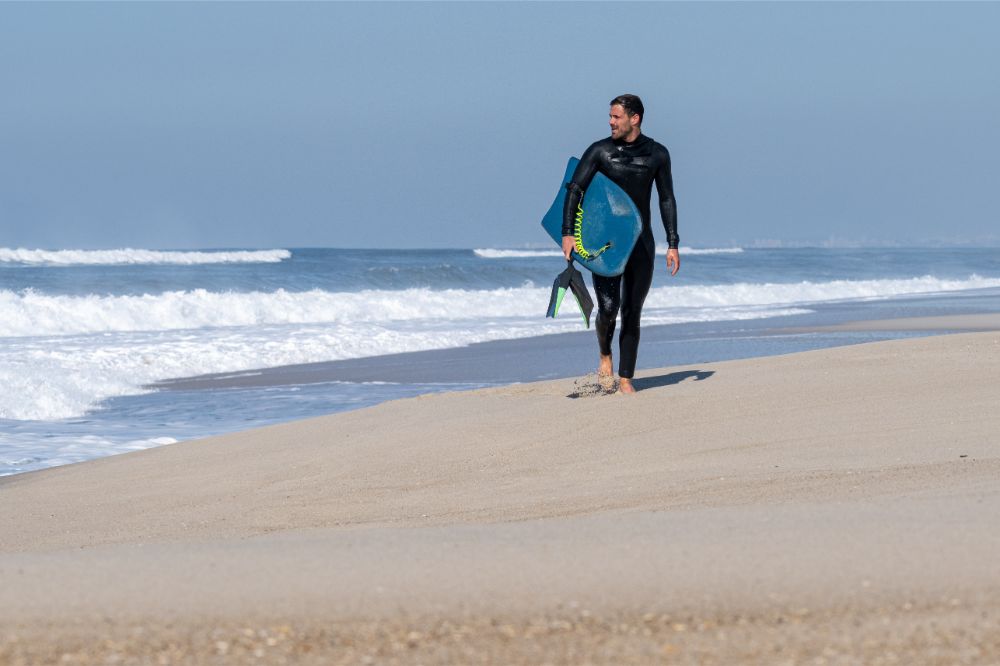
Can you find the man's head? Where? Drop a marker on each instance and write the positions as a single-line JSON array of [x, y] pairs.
[[625, 117]]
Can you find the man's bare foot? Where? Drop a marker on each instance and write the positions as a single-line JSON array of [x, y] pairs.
[[625, 386], [606, 375]]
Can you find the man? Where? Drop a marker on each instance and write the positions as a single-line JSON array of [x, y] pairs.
[[633, 162]]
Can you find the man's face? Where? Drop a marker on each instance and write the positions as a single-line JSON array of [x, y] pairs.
[[621, 123]]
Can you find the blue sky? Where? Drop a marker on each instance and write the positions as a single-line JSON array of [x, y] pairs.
[[184, 125]]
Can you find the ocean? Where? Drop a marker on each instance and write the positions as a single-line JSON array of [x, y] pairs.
[[85, 334]]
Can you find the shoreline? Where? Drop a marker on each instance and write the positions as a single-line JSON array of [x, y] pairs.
[[234, 401], [838, 503], [477, 362]]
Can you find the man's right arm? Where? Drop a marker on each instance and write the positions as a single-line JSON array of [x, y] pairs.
[[578, 184]]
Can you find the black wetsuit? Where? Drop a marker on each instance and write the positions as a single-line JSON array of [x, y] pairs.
[[634, 167]]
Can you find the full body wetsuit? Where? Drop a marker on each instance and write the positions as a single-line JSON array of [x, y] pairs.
[[633, 167]]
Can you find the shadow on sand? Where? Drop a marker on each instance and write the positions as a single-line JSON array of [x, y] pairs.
[[642, 383], [593, 386]]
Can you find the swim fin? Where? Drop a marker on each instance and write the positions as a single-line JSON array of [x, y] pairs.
[[579, 289], [571, 280]]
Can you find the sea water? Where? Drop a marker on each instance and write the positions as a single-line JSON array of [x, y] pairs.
[[84, 333]]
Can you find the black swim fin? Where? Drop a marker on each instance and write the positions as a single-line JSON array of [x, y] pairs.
[[571, 280], [579, 290]]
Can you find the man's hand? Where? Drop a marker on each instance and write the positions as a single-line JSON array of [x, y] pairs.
[[568, 245], [673, 259]]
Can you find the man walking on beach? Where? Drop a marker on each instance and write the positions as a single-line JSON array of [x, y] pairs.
[[634, 162]]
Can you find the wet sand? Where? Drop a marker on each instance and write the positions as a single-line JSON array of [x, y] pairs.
[[832, 506]]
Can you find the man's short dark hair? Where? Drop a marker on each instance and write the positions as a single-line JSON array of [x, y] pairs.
[[632, 105]]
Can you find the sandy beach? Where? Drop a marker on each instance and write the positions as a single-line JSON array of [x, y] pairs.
[[838, 506]]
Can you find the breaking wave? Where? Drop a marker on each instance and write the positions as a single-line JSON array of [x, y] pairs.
[[125, 256]]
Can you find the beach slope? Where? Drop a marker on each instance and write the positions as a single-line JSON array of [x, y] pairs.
[[837, 505]]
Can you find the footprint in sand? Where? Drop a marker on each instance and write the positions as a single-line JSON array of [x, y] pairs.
[[594, 385]]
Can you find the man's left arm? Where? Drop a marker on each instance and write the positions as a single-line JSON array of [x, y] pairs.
[[668, 213]]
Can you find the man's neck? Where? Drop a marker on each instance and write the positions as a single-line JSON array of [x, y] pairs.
[[632, 136]]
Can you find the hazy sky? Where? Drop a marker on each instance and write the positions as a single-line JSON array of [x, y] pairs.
[[181, 125]]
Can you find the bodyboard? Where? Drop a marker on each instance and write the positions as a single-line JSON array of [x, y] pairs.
[[609, 228]]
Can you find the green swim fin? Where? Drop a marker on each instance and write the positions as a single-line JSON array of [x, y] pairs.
[[570, 280]]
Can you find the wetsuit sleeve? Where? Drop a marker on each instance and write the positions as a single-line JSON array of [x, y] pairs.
[[577, 185], [668, 205]]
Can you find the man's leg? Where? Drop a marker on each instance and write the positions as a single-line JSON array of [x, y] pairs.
[[636, 281], [608, 290]]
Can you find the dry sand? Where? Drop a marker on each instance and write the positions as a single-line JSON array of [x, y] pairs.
[[831, 507]]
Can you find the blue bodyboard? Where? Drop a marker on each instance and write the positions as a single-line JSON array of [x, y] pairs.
[[610, 219]]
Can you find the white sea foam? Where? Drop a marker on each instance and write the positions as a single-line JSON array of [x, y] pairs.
[[134, 256], [490, 253], [27, 313], [28, 451], [61, 356], [705, 250], [809, 292]]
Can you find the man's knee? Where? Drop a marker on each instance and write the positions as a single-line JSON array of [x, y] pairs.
[[607, 307], [631, 316]]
